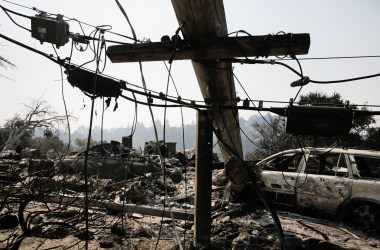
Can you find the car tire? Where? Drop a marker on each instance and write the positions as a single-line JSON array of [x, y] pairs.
[[366, 217]]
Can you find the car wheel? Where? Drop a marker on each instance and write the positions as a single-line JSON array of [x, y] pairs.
[[366, 217]]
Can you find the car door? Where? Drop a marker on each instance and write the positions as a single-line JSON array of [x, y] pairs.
[[279, 176], [324, 182]]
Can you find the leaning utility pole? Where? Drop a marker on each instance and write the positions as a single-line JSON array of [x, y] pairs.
[[205, 39], [206, 19], [204, 29]]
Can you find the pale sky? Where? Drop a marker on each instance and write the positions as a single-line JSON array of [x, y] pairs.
[[336, 28]]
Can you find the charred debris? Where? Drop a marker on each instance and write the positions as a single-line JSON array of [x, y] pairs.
[[135, 204]]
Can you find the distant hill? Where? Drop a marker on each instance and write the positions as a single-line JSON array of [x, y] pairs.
[[185, 136]]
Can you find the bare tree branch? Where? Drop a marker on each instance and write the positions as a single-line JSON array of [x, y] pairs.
[[38, 114]]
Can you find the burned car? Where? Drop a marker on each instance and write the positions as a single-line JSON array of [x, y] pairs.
[[108, 160], [341, 182]]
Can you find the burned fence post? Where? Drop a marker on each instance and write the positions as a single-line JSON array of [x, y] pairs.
[[127, 141], [203, 181]]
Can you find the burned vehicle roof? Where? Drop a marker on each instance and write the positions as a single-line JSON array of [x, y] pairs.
[[335, 181], [372, 153]]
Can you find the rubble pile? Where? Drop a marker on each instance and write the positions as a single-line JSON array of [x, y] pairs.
[[44, 208]]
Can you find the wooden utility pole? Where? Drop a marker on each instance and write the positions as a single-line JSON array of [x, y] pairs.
[[206, 19], [203, 176], [204, 28], [205, 39]]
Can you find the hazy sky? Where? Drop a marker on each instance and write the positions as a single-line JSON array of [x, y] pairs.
[[336, 28]]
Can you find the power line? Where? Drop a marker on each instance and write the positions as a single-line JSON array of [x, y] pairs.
[[241, 61], [304, 80], [330, 58], [19, 5], [346, 80], [158, 96], [233, 60], [16, 13], [69, 19]]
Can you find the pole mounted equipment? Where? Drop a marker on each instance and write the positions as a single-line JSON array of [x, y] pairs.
[[85, 80], [49, 29], [318, 120], [301, 82]]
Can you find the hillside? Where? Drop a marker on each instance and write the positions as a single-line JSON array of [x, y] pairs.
[[184, 137]]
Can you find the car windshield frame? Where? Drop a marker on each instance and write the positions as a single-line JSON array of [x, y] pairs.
[[284, 158], [362, 169]]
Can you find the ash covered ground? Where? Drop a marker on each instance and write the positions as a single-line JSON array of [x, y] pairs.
[[150, 211]]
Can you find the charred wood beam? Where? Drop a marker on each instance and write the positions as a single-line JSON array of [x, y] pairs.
[[119, 207], [212, 48]]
